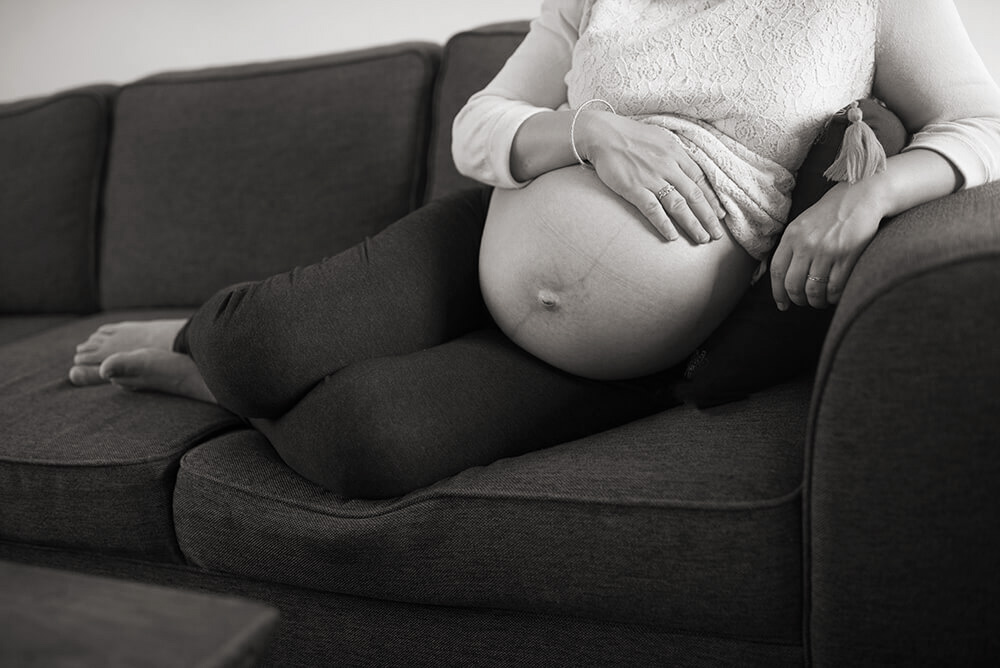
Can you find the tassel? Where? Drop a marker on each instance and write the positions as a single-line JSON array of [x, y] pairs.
[[861, 153]]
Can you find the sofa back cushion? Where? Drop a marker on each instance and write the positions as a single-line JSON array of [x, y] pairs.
[[52, 154], [471, 60], [231, 174]]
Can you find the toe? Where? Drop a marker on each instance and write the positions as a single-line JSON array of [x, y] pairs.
[[114, 366], [91, 357], [85, 375], [126, 364]]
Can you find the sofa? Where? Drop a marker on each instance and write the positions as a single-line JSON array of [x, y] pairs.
[[843, 517]]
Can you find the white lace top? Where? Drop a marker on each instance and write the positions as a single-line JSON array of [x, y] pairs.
[[748, 84]]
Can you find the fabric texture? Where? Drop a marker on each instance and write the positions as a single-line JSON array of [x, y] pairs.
[[234, 174], [902, 458], [757, 345], [683, 521], [52, 153], [91, 468], [319, 628], [748, 111], [14, 327]]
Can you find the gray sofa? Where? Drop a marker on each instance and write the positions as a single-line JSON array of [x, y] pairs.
[[839, 519]]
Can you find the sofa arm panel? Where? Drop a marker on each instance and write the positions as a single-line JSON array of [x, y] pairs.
[[901, 546]]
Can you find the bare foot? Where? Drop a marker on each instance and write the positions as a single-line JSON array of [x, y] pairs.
[[120, 337], [156, 370]]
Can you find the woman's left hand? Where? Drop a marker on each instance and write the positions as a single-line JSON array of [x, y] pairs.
[[819, 249]]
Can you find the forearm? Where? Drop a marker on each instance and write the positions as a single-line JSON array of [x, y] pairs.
[[910, 179], [542, 144], [544, 141]]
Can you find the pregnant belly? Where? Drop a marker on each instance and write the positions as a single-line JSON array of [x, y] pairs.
[[577, 277]]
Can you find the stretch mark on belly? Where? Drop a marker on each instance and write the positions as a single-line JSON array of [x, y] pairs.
[[548, 299]]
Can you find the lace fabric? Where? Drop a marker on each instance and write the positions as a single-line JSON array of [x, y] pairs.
[[746, 84]]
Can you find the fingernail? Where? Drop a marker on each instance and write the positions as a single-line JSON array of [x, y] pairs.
[[782, 306]]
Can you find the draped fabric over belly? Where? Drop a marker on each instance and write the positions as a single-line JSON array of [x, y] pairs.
[[746, 85]]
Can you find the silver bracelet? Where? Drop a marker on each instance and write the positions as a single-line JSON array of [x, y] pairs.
[[572, 128]]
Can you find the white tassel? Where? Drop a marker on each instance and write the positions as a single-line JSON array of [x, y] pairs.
[[861, 153]]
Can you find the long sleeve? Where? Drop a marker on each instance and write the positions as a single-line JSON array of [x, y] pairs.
[[532, 81], [928, 72]]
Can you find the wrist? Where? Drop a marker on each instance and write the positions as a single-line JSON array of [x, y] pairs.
[[873, 194], [583, 134]]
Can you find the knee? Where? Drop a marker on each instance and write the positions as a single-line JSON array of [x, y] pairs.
[[233, 338]]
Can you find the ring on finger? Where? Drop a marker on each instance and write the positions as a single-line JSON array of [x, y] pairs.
[[664, 191], [818, 279]]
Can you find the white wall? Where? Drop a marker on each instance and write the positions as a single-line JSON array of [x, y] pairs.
[[48, 45]]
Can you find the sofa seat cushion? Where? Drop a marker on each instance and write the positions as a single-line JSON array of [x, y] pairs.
[[688, 520], [90, 468], [14, 327]]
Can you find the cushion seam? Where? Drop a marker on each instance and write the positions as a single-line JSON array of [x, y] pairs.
[[422, 498], [56, 98], [420, 55], [182, 446]]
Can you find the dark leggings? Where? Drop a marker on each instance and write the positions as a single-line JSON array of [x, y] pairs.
[[379, 370]]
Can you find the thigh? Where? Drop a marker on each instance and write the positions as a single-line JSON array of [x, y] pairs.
[[387, 426], [260, 346]]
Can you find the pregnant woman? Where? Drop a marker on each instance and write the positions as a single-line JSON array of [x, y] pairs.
[[642, 154]]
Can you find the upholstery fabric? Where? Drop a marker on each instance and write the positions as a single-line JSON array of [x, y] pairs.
[[91, 467], [14, 327], [687, 521], [471, 59], [323, 629], [233, 174], [52, 153], [902, 449]]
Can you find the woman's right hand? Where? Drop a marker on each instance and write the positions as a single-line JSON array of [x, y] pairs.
[[640, 161]]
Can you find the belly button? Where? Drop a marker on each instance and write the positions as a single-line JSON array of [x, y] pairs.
[[548, 299]]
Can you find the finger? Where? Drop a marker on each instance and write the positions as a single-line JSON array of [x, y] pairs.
[[677, 206], [652, 209], [795, 279], [697, 175], [699, 205], [839, 274], [818, 282], [779, 267]]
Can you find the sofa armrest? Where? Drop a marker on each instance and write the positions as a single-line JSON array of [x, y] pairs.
[[901, 540]]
